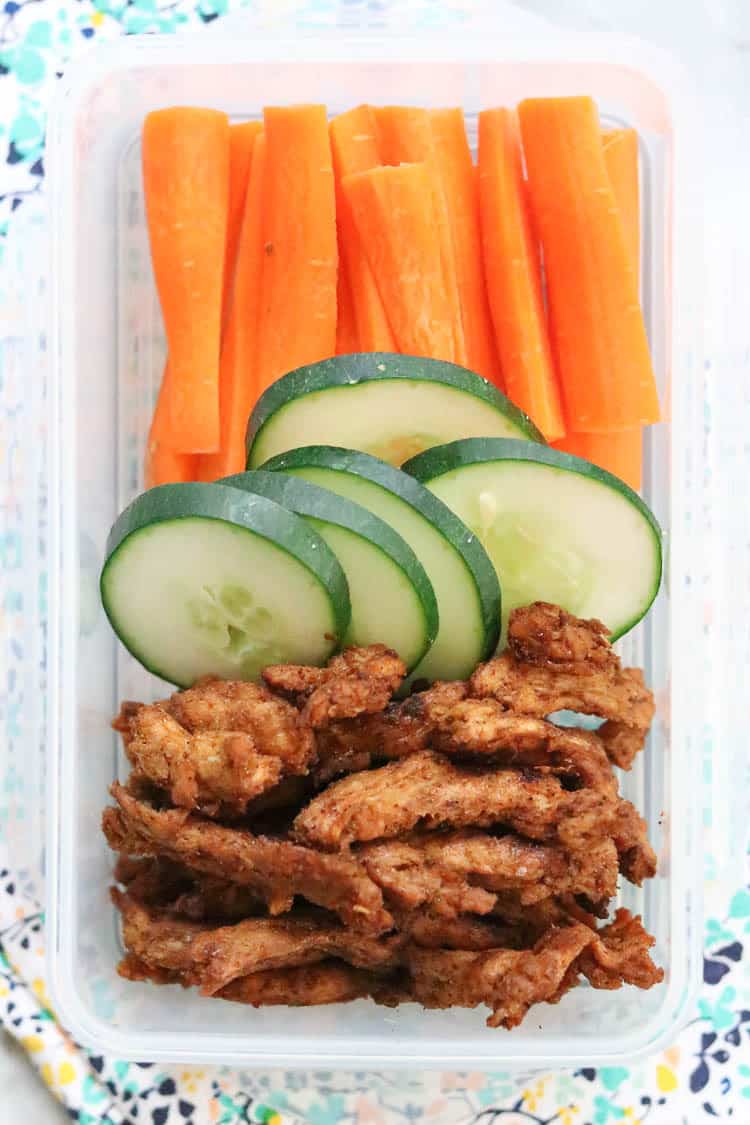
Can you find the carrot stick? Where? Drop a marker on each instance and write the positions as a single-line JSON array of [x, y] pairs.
[[595, 319], [404, 136], [619, 452], [620, 148], [163, 464], [185, 155], [238, 387], [241, 141], [395, 220], [512, 268], [355, 149], [298, 295], [347, 340], [458, 178]]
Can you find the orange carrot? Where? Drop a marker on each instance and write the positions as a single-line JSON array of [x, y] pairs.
[[596, 322], [620, 148], [512, 268], [298, 293], [241, 141], [163, 464], [619, 452], [185, 154], [395, 220], [458, 178], [355, 149], [347, 340], [238, 387], [404, 136]]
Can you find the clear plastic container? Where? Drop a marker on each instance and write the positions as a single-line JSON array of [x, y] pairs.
[[107, 355]]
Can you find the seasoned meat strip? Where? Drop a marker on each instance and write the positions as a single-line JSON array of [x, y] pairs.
[[160, 882], [402, 728], [303, 986], [549, 636], [510, 981], [211, 957], [356, 682], [277, 870], [483, 727], [463, 872], [530, 689], [426, 790], [621, 955], [329, 982], [208, 771], [273, 724]]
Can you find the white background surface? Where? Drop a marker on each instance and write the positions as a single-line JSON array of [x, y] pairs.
[[712, 40]]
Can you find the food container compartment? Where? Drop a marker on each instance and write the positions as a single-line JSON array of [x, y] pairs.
[[107, 356]]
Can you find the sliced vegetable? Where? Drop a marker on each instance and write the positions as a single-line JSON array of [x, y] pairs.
[[514, 283], [619, 452], [620, 148], [354, 148], [459, 182], [557, 528], [298, 302], [238, 387], [163, 464], [394, 213], [242, 139], [462, 576], [204, 579], [596, 322], [391, 596], [404, 136], [392, 406], [185, 155], [347, 340]]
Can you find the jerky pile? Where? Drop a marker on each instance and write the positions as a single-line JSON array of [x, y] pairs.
[[313, 840]]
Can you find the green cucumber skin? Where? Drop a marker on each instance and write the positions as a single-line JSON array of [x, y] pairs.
[[453, 529], [433, 463], [364, 367], [259, 515], [307, 499]]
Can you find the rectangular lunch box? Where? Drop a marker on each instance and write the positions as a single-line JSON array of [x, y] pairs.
[[106, 357]]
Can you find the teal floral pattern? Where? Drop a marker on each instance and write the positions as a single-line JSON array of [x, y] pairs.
[[704, 1076]]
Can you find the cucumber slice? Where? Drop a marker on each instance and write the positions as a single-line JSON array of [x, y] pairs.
[[202, 579], [557, 528], [464, 580], [392, 598], [392, 406]]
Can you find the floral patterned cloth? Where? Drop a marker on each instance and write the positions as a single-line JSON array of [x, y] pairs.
[[704, 1075]]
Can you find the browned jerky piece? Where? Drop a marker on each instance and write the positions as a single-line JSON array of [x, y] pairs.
[[211, 957], [358, 681], [426, 790], [276, 870]]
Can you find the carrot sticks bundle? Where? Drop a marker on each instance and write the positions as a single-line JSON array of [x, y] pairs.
[[279, 243]]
